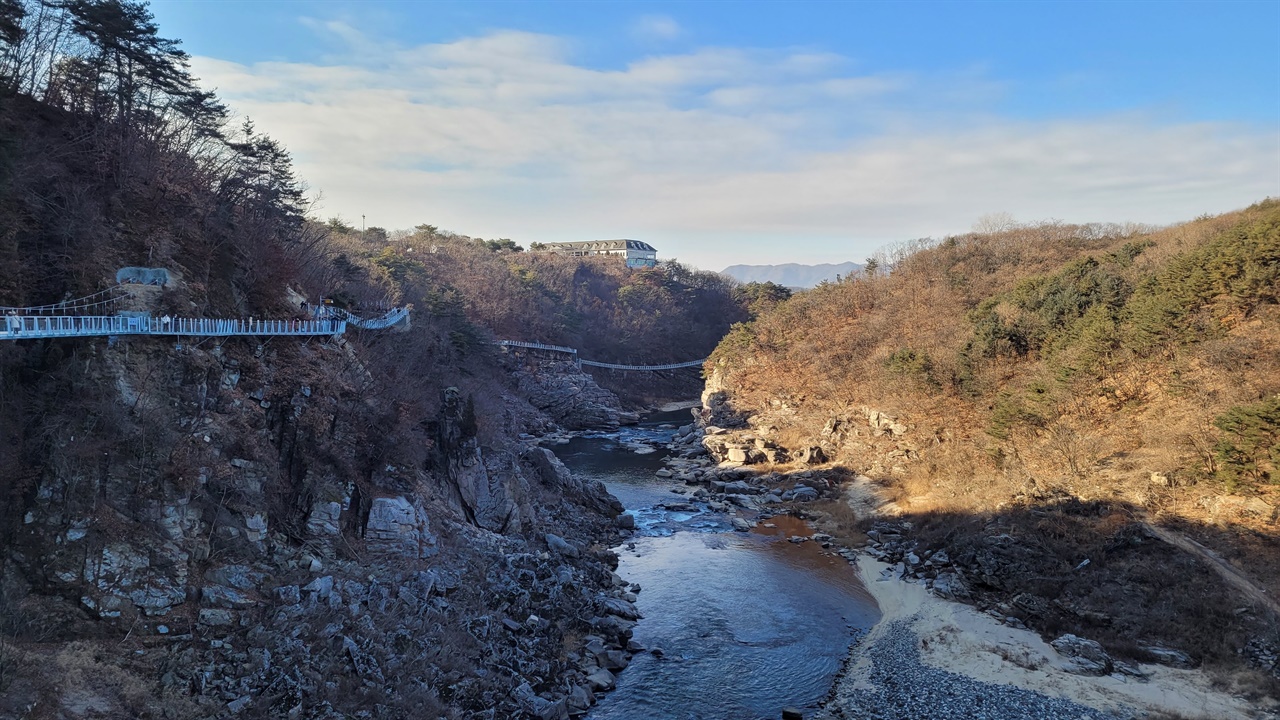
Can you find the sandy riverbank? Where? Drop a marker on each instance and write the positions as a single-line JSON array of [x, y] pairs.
[[959, 640]]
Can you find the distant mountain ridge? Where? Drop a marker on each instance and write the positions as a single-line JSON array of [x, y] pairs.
[[793, 275]]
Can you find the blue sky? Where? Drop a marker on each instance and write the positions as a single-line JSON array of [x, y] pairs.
[[727, 132]]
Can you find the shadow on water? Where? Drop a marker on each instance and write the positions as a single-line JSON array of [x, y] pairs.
[[747, 623]]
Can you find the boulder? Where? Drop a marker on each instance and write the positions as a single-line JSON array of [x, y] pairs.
[[621, 608], [580, 699], [539, 707], [1085, 657], [321, 586], [395, 526], [813, 455], [804, 493], [323, 519], [1169, 656], [212, 616], [560, 545], [601, 680]]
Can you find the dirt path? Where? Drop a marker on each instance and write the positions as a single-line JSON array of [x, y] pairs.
[[1234, 577]]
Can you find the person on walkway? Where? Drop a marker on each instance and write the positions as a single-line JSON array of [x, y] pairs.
[[14, 322]]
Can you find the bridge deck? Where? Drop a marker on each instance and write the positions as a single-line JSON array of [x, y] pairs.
[[593, 363], [18, 327]]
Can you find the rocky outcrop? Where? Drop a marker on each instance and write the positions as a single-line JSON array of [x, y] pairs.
[[397, 526], [484, 484], [1084, 657], [571, 397], [553, 474], [258, 532]]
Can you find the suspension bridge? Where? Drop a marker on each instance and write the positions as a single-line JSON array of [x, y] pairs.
[[612, 366], [87, 316]]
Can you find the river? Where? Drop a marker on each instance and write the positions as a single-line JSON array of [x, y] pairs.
[[747, 623]]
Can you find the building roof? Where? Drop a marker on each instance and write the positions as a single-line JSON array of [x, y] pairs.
[[600, 245]]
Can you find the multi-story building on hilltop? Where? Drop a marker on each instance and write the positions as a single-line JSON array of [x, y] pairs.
[[636, 254]]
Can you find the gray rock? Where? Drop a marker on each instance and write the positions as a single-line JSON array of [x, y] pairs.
[[240, 577], [321, 586], [255, 527], [1086, 657], [804, 493], [223, 596], [365, 664], [211, 616], [580, 699], [539, 707], [560, 545], [614, 660], [395, 526], [323, 520], [813, 455], [621, 608], [1169, 656], [601, 680]]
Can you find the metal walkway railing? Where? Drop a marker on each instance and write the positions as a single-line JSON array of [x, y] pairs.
[[537, 346], [671, 366], [19, 327], [84, 317], [593, 363], [392, 317]]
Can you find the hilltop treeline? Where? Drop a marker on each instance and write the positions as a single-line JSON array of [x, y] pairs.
[[113, 155], [1046, 351], [611, 313]]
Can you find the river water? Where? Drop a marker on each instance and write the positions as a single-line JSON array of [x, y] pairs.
[[748, 623]]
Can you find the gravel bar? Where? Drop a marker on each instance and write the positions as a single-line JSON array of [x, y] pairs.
[[900, 687]]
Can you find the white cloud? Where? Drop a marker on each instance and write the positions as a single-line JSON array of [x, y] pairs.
[[719, 155], [656, 27]]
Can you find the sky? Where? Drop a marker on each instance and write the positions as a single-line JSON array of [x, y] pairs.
[[752, 132]]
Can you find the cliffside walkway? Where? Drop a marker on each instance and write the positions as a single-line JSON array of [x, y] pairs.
[[83, 317], [593, 363]]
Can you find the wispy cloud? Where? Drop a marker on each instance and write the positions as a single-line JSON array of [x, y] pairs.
[[719, 155], [656, 27]]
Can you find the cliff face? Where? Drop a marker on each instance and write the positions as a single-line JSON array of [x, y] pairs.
[[237, 515], [565, 393]]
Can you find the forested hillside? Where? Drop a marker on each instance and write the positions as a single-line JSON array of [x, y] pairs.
[[611, 313], [1047, 393], [1045, 351]]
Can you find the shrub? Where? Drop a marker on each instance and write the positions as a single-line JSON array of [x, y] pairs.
[[1250, 451]]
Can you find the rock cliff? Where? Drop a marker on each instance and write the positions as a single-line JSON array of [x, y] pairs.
[[270, 543]]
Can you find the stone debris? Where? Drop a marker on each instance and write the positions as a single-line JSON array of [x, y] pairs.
[[897, 686]]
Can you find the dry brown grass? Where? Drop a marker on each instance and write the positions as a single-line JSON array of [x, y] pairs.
[[827, 351]]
